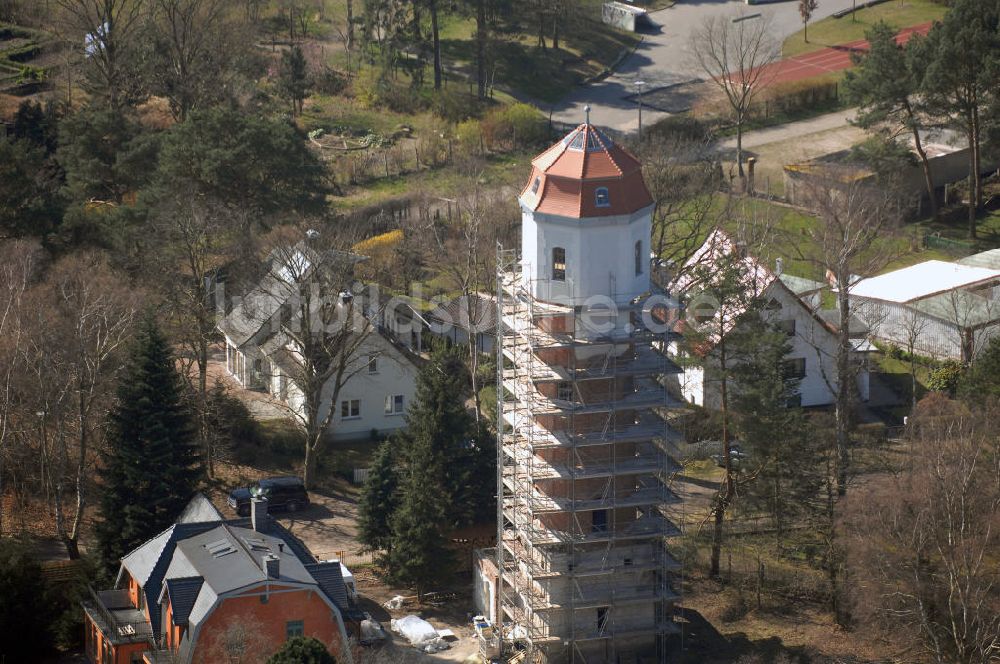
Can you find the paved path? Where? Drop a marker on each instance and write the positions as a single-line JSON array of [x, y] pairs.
[[827, 60], [664, 58], [792, 130]]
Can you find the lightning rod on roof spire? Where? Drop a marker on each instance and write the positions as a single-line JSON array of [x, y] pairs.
[[586, 110]]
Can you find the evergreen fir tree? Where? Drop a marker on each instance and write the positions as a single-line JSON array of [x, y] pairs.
[[442, 433], [380, 497], [420, 556], [151, 466], [302, 650], [781, 476]]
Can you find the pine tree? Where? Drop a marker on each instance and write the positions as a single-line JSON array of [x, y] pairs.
[[380, 497], [293, 79], [780, 476], [420, 556], [151, 467]]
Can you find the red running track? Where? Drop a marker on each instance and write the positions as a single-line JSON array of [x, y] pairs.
[[835, 58]]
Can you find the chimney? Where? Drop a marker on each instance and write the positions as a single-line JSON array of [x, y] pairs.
[[258, 513], [779, 265], [272, 565]]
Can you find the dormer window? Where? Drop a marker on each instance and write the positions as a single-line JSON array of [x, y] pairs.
[[534, 185], [601, 198], [558, 264]]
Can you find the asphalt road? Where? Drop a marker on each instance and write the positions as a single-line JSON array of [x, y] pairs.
[[664, 59]]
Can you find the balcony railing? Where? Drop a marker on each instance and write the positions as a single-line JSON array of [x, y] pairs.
[[118, 620]]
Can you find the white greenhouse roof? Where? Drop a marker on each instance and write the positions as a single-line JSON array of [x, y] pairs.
[[922, 280]]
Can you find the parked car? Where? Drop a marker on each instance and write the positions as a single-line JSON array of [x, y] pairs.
[[283, 493]]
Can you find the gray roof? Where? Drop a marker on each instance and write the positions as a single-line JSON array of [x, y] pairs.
[[858, 327], [149, 562], [989, 259], [464, 312], [183, 591], [961, 308], [199, 510], [241, 562], [801, 285], [256, 309], [330, 580]]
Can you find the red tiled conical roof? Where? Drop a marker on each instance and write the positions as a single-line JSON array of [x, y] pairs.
[[566, 179]]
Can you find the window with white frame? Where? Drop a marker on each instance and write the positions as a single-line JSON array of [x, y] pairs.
[[394, 404], [601, 197], [350, 409], [373, 363]]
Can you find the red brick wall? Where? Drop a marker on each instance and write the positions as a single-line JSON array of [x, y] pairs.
[[267, 622]]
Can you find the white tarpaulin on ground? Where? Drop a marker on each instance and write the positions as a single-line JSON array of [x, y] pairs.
[[414, 629]]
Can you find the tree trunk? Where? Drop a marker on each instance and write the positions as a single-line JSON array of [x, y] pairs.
[[436, 43], [973, 177], [739, 144], [308, 463], [926, 165], [541, 30], [977, 157], [203, 406], [843, 407], [481, 48], [728, 489], [350, 28], [555, 31]]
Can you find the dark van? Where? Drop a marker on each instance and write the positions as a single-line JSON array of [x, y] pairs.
[[283, 493]]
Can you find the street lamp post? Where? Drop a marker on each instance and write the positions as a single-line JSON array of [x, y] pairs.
[[639, 85]]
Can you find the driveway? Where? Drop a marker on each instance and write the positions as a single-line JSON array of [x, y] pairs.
[[663, 59]]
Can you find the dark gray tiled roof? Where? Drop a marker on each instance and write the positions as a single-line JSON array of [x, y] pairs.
[[183, 592], [330, 581]]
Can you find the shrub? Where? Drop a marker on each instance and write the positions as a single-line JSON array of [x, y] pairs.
[[510, 127], [469, 135], [795, 96], [945, 378]]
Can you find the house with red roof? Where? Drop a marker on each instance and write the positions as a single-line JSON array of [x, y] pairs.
[[207, 585], [790, 303]]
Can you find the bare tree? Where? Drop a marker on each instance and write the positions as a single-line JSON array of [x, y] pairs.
[[18, 264], [682, 176], [196, 236], [109, 33], [923, 542], [851, 240], [914, 323], [197, 47], [734, 52], [806, 9], [465, 251], [322, 330], [81, 324]]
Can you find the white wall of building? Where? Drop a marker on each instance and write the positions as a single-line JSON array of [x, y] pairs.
[[812, 342], [600, 255], [395, 375]]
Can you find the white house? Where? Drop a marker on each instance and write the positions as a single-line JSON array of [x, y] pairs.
[[262, 355], [454, 321], [946, 310], [812, 332]]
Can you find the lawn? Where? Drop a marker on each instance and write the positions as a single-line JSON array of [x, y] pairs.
[[788, 230], [833, 31]]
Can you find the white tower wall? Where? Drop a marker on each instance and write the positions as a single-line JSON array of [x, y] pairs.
[[600, 256]]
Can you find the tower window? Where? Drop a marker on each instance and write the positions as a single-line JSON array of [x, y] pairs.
[[558, 264], [534, 185], [601, 198], [638, 257]]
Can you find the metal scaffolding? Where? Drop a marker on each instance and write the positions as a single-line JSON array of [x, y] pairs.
[[584, 470]]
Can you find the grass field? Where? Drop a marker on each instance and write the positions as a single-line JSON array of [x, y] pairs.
[[833, 31]]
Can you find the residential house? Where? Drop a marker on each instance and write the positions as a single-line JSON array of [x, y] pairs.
[[812, 332], [206, 584], [379, 381], [465, 315], [947, 310]]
